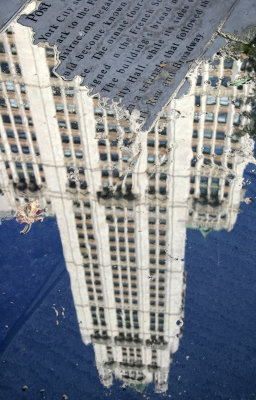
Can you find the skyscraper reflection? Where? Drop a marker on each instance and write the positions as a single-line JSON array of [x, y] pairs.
[[122, 198]]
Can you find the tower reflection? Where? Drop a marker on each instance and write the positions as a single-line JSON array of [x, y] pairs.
[[123, 199]]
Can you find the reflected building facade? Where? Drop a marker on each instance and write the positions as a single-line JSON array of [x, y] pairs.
[[123, 199]]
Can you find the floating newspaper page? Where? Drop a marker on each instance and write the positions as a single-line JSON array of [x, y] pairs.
[[134, 53]]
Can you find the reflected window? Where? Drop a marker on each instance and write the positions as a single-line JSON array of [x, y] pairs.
[[151, 158], [215, 62], [222, 118], [103, 156], [111, 113], [9, 86], [114, 143], [10, 133], [17, 119], [2, 102], [244, 65], [224, 101], [78, 154], [213, 80], [71, 108], [211, 100], [195, 134], [151, 143], [215, 182], [208, 133], [13, 49], [237, 103], [214, 193], [193, 161], [25, 149], [67, 153], [112, 128], [76, 140], [2, 49], [14, 148], [163, 115], [5, 67], [196, 117], [6, 119], [21, 177], [22, 135], [13, 103], [49, 52], [52, 74], [163, 131], [127, 142], [18, 70], [62, 124], [22, 88], [114, 157], [162, 143], [83, 186], [69, 92], [206, 149], [203, 191], [59, 107], [197, 101], [225, 81], [228, 63], [209, 117], [125, 157], [64, 139], [220, 135], [99, 127], [74, 125], [29, 166], [235, 138], [218, 150], [98, 111], [19, 165], [236, 120], [204, 180], [56, 90], [199, 80]]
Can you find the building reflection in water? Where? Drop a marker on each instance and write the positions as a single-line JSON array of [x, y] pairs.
[[122, 199]]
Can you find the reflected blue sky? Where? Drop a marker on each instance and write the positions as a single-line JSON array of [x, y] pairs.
[[216, 356]]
